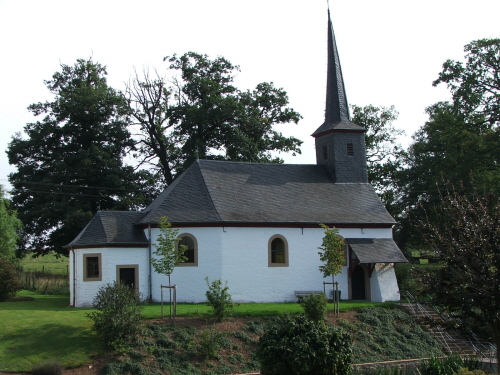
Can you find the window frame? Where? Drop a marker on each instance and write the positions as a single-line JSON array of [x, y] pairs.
[[269, 252], [195, 242], [85, 266]]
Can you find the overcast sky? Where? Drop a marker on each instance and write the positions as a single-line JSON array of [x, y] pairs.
[[390, 50]]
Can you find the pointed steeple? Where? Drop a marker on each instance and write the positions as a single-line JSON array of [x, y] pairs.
[[337, 109], [340, 143]]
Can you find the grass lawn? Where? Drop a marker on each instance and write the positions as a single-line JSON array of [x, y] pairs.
[[34, 331], [255, 310], [48, 263], [47, 328]]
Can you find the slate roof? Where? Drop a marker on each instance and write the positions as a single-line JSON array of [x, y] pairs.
[[239, 193], [112, 228], [337, 109], [376, 250]]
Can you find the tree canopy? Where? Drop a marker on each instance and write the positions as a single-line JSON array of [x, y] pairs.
[[460, 143], [201, 114], [467, 242], [70, 163], [383, 152]]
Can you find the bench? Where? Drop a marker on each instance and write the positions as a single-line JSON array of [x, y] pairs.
[[305, 293]]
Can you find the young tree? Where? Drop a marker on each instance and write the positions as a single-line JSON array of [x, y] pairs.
[[169, 253], [203, 115], [467, 241], [71, 162], [10, 225], [332, 252]]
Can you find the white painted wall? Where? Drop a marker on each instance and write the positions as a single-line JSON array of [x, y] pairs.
[[240, 257], [383, 283], [110, 258]]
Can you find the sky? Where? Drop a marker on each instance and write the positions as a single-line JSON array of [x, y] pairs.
[[390, 50]]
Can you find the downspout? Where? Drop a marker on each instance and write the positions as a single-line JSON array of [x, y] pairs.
[[150, 286], [74, 277]]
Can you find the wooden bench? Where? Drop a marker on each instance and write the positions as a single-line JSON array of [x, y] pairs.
[[305, 293]]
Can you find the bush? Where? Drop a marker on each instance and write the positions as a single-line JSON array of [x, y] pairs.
[[118, 318], [219, 299], [315, 306], [47, 368], [210, 342], [9, 283], [447, 366], [299, 346]]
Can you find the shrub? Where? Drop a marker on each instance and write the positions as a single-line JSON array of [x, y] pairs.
[[118, 318], [299, 346], [210, 342], [219, 299], [9, 284], [447, 366], [315, 306], [47, 368]]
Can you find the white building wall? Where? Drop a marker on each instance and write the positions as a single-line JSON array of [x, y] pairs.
[[383, 283], [85, 291], [239, 256]]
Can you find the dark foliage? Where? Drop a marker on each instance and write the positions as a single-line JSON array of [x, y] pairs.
[[118, 318], [70, 163], [9, 283], [299, 346]]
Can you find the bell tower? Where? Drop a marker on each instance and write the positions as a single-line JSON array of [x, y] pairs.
[[340, 143]]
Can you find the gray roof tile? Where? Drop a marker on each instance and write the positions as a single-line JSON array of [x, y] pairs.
[[376, 250], [233, 192], [112, 228]]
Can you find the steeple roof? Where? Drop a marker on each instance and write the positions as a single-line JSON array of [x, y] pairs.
[[337, 109]]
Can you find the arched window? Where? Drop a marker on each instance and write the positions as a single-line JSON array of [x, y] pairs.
[[191, 252], [277, 251]]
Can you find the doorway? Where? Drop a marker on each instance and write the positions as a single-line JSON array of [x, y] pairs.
[[128, 275], [358, 284]]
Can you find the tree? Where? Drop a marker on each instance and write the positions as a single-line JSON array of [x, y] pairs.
[[203, 115], [467, 242], [169, 253], [384, 155], [10, 225], [460, 142], [71, 163], [475, 86], [9, 280], [332, 252]]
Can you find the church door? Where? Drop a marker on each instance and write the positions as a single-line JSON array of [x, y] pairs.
[[358, 284], [127, 277]]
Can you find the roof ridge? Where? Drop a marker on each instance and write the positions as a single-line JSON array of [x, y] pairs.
[[208, 190]]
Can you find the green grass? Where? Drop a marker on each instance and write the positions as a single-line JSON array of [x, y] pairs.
[[34, 331], [256, 310], [47, 328], [48, 263]]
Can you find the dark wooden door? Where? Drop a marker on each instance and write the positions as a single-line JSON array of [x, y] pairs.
[[358, 284]]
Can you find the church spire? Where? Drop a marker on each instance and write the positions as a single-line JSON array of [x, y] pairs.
[[340, 143], [337, 109]]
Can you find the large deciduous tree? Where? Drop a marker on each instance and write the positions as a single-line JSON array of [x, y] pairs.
[[70, 163], [460, 142], [467, 241], [201, 114]]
